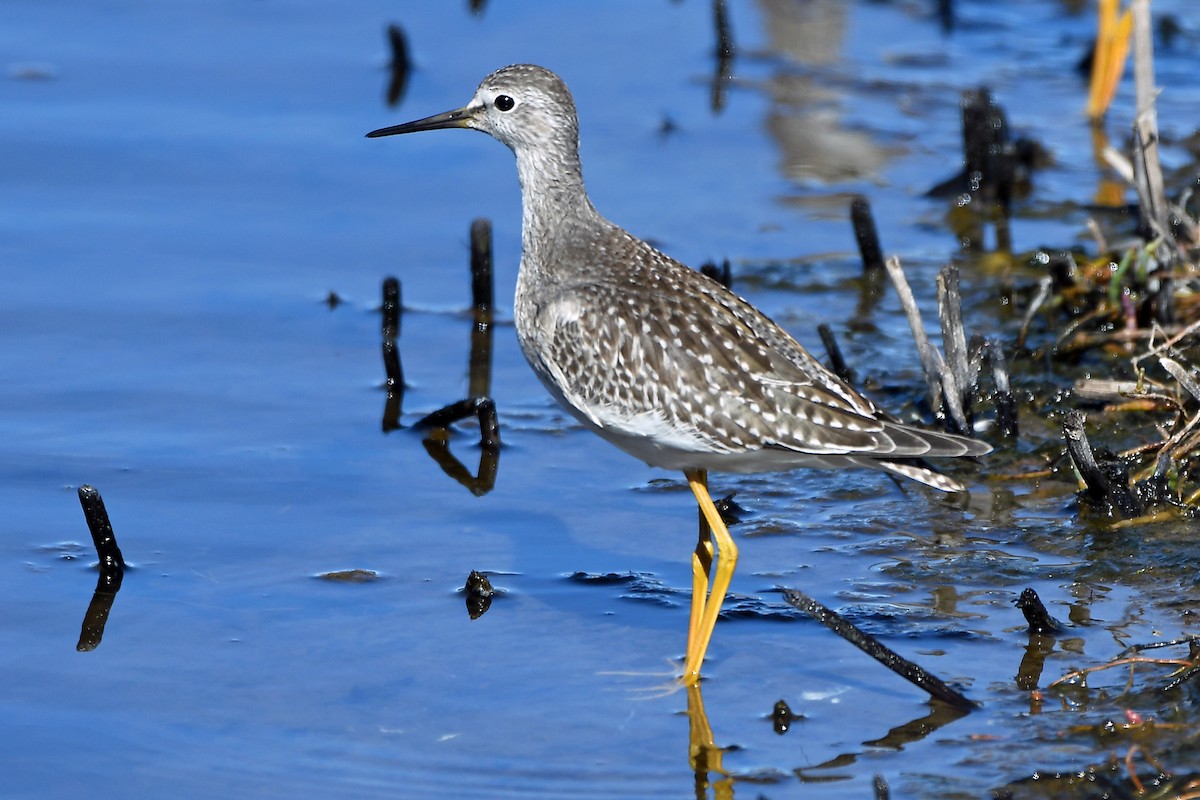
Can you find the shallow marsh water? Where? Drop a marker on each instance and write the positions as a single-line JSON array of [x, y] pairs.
[[187, 183]]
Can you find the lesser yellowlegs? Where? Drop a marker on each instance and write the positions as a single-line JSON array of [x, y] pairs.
[[658, 359]]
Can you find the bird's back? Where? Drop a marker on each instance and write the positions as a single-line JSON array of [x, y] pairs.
[[672, 367]]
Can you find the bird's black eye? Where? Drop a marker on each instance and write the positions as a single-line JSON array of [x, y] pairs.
[[504, 102]]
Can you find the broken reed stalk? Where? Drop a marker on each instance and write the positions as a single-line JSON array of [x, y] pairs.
[[958, 379], [489, 424], [866, 234], [482, 408], [906, 669], [105, 541], [1045, 286], [1145, 125], [112, 569], [482, 293], [931, 361], [1098, 487], [976, 353], [1181, 375], [836, 363], [436, 443], [1005, 400], [390, 308], [1094, 480], [482, 298], [390, 328], [477, 403]]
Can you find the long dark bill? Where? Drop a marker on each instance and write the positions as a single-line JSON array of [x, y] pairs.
[[458, 118]]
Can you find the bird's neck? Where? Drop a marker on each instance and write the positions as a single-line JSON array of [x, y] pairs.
[[553, 199]]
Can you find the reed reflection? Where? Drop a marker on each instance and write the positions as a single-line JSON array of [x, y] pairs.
[[478, 403]]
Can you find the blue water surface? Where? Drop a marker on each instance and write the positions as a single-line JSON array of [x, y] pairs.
[[186, 184]]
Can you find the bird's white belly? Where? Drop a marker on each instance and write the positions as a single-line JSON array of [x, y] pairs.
[[651, 438]]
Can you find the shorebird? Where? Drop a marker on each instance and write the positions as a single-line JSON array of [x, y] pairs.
[[660, 360]]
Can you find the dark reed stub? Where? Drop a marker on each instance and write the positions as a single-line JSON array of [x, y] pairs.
[[1106, 486], [482, 297], [390, 308], [479, 593], [111, 560], [393, 371], [958, 379], [782, 717], [866, 234], [730, 510], [837, 364], [1003, 398], [482, 291], [1039, 619], [489, 424], [112, 569]]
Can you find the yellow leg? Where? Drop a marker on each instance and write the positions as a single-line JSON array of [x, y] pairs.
[[724, 552], [702, 560]]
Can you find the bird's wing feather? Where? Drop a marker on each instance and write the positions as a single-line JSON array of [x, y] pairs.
[[704, 363]]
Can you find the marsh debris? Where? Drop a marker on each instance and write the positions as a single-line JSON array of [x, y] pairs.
[[350, 576], [478, 593], [782, 717], [730, 510]]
